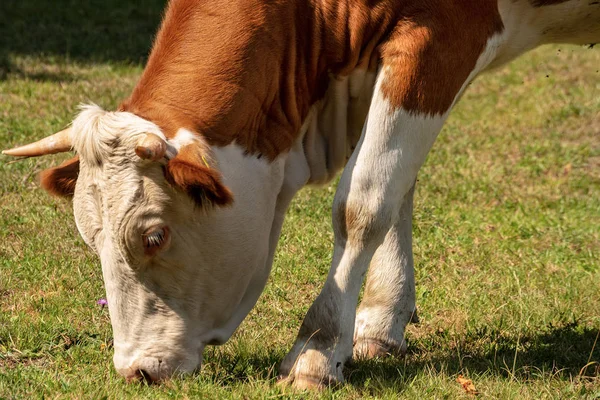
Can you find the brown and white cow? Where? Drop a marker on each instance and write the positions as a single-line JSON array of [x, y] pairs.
[[182, 191]]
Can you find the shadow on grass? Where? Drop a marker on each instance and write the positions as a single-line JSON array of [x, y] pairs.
[[559, 351], [239, 367], [87, 31]]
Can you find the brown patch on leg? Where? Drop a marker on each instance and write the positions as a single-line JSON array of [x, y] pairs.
[[357, 223]]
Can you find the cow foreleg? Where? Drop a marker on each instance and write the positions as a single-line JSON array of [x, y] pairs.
[[378, 177], [422, 77], [388, 303]]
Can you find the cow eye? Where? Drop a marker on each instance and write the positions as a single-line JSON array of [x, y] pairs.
[[155, 239]]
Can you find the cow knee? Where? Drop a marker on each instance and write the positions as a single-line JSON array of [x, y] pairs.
[[361, 223]]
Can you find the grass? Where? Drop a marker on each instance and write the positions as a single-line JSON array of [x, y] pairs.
[[507, 233]]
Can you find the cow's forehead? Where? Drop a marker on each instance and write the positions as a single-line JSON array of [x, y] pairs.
[[109, 181], [98, 134]]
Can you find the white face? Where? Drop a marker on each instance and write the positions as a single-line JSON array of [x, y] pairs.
[[177, 276]]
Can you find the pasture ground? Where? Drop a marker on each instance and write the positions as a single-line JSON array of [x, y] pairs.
[[507, 234]]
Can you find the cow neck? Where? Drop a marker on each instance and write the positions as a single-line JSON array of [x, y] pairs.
[[248, 71]]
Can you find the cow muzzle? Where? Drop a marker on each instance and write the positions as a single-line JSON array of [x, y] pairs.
[[147, 370], [151, 370]]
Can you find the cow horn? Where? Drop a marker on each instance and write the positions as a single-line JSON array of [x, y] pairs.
[[57, 143], [151, 147]]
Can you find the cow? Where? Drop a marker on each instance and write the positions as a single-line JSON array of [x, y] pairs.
[[182, 190]]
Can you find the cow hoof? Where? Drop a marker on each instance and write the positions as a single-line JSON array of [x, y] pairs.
[[310, 369], [366, 349], [306, 382]]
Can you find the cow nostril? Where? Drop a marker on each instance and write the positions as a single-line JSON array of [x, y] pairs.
[[145, 376], [142, 376]]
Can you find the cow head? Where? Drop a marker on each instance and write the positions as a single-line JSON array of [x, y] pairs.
[[183, 241]]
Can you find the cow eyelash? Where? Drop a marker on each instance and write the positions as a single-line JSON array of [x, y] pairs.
[[154, 239]]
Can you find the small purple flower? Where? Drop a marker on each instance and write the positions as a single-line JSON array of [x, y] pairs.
[[102, 302]]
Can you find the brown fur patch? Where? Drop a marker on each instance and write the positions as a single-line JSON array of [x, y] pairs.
[[250, 70], [340, 227], [188, 173], [60, 181], [433, 49], [357, 224]]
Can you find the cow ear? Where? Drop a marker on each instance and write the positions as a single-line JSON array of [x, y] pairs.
[[60, 181], [191, 173]]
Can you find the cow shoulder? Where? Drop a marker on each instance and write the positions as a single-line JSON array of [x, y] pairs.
[[433, 50]]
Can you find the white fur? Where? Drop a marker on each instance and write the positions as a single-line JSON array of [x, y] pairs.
[[526, 27], [256, 192], [182, 138], [166, 309], [96, 131]]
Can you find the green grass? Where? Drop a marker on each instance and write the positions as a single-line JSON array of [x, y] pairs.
[[507, 233]]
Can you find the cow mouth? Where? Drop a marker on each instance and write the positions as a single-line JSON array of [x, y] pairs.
[[151, 370]]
